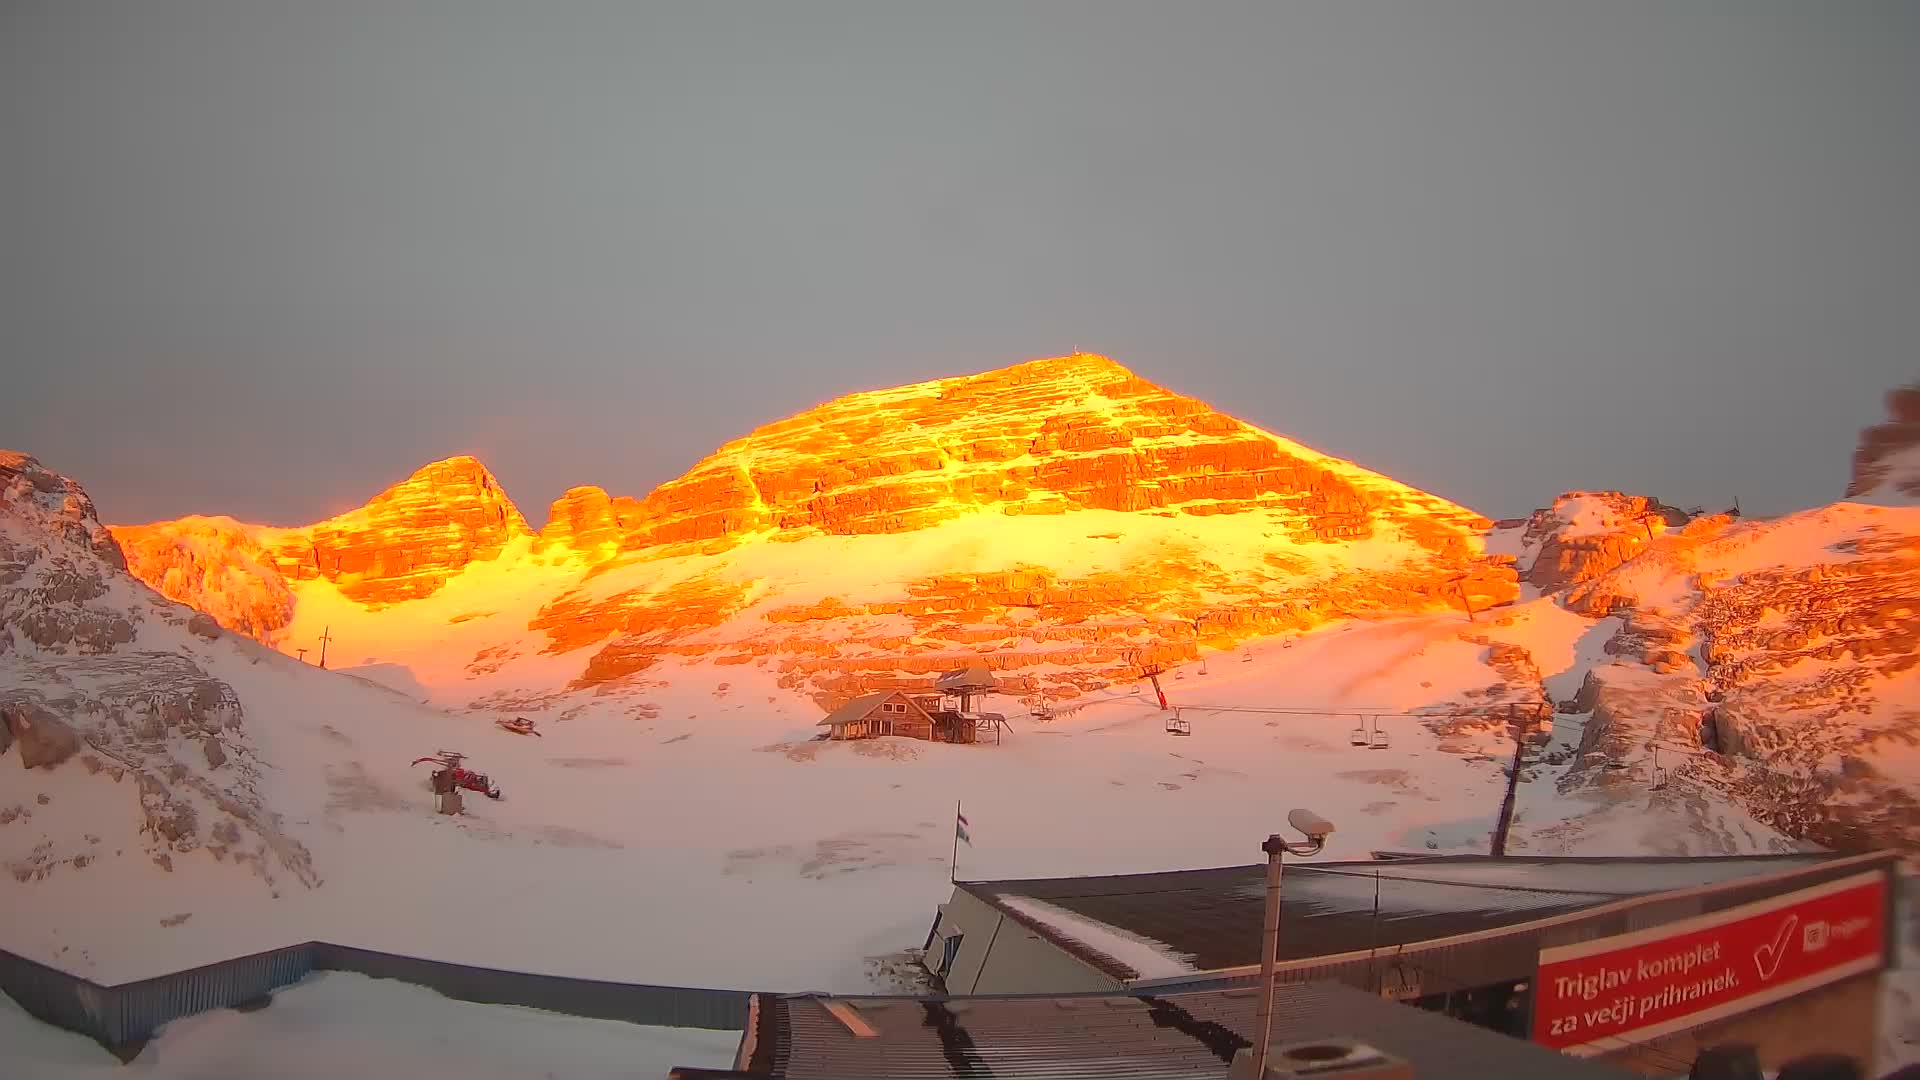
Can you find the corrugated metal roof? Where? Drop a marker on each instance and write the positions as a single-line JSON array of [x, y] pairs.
[[1213, 916], [1179, 1035], [971, 677]]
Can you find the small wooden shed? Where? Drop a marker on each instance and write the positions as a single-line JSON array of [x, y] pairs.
[[888, 712]]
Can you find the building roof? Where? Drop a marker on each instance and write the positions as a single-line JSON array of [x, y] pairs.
[[857, 709], [1194, 1034], [1163, 925], [971, 677]]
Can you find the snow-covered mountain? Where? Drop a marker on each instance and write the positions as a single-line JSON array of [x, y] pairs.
[[95, 668], [1064, 521], [1683, 684]]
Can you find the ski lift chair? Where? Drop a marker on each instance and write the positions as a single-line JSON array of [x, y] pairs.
[[1379, 741], [1177, 726], [1360, 736]]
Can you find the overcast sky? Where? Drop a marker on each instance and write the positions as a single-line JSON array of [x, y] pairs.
[[264, 258]]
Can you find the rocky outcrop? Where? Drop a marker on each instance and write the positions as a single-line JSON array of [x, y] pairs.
[[1782, 659], [217, 566], [1587, 533], [43, 738], [53, 506], [99, 671], [584, 521], [402, 545], [58, 567], [1887, 462], [407, 540]]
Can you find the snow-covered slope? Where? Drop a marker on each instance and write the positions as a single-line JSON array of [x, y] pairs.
[[1790, 648], [697, 796], [678, 682]]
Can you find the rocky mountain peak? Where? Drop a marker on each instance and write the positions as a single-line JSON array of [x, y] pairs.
[[51, 503], [1065, 501], [1042, 437], [583, 519], [1887, 463], [402, 545], [1584, 534], [103, 680]]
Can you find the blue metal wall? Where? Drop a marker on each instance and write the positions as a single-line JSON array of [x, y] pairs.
[[137, 1009], [662, 1006], [122, 1017], [60, 999]]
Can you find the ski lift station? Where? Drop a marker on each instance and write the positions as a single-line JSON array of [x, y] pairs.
[[1638, 962], [946, 715]]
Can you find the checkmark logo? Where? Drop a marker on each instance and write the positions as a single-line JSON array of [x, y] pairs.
[[1767, 957]]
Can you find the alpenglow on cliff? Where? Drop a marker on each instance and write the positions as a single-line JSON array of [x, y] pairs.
[[1057, 519]]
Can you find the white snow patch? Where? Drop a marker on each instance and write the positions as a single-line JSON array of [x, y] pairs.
[[1148, 958], [337, 1024]]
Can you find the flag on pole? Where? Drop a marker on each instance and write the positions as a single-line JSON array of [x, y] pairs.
[[960, 828]]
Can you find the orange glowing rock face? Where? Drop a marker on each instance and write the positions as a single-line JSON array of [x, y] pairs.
[[1587, 533], [410, 538], [402, 545], [218, 565], [1200, 530], [1049, 436]]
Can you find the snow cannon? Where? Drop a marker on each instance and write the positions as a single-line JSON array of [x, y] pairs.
[[451, 774]]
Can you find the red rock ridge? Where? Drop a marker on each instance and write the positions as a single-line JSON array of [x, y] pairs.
[[215, 565], [1070, 434], [409, 539], [402, 545], [1587, 533], [1043, 437]]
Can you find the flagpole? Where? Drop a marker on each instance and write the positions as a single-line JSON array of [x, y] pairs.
[[953, 867]]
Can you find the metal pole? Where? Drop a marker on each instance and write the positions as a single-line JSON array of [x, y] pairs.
[[1275, 847]]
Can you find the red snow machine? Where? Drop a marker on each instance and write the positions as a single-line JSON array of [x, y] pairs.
[[519, 725], [451, 773]]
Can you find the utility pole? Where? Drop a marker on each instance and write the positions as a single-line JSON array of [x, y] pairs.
[[1316, 829], [1466, 601], [326, 635], [1519, 727], [303, 655]]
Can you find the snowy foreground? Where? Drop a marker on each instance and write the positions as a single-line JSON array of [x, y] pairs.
[[335, 1024], [621, 840]]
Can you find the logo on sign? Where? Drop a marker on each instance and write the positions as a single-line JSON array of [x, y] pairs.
[[1815, 936], [1768, 955]]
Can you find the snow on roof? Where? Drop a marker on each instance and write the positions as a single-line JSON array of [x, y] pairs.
[[1210, 919], [857, 709], [1148, 959], [335, 1024]]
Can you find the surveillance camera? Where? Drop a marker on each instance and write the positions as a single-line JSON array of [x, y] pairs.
[[1313, 825]]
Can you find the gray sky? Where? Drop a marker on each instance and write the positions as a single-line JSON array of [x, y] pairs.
[[263, 258]]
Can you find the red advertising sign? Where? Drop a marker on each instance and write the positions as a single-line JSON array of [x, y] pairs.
[[1596, 996]]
